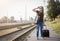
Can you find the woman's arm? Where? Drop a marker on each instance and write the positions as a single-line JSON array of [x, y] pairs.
[[35, 9]]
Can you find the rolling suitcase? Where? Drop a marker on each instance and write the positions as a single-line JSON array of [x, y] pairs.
[[45, 32]]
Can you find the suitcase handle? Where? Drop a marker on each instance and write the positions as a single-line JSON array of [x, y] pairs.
[[45, 28]]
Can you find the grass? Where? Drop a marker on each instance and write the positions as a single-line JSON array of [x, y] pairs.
[[55, 25]]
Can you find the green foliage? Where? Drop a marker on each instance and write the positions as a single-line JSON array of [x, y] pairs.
[[58, 7], [55, 25], [53, 9]]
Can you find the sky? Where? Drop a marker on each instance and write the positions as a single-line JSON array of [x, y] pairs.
[[19, 8]]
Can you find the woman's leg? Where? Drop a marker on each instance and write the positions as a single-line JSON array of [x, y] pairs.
[[37, 30], [41, 25]]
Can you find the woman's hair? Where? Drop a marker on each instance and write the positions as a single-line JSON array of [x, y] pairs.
[[41, 12], [40, 7]]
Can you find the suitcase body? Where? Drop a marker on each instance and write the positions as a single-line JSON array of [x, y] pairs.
[[46, 33]]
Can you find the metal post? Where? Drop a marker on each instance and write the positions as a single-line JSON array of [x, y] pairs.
[[7, 16], [44, 2], [25, 10]]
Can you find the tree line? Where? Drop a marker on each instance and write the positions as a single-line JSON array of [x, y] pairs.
[[5, 19], [53, 9]]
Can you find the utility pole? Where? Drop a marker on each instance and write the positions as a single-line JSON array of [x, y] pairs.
[[25, 9], [7, 16], [44, 2]]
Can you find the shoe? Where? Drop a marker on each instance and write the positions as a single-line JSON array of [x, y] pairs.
[[37, 38], [42, 38]]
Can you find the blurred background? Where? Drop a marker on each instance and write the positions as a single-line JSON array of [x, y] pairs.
[[19, 10], [17, 19]]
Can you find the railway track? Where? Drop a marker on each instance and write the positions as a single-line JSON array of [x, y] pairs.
[[15, 32]]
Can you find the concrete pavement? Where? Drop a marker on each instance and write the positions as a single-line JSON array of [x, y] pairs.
[[53, 36]]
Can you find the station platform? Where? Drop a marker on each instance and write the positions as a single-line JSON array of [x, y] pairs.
[[53, 36]]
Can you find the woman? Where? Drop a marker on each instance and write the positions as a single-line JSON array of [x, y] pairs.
[[40, 13]]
